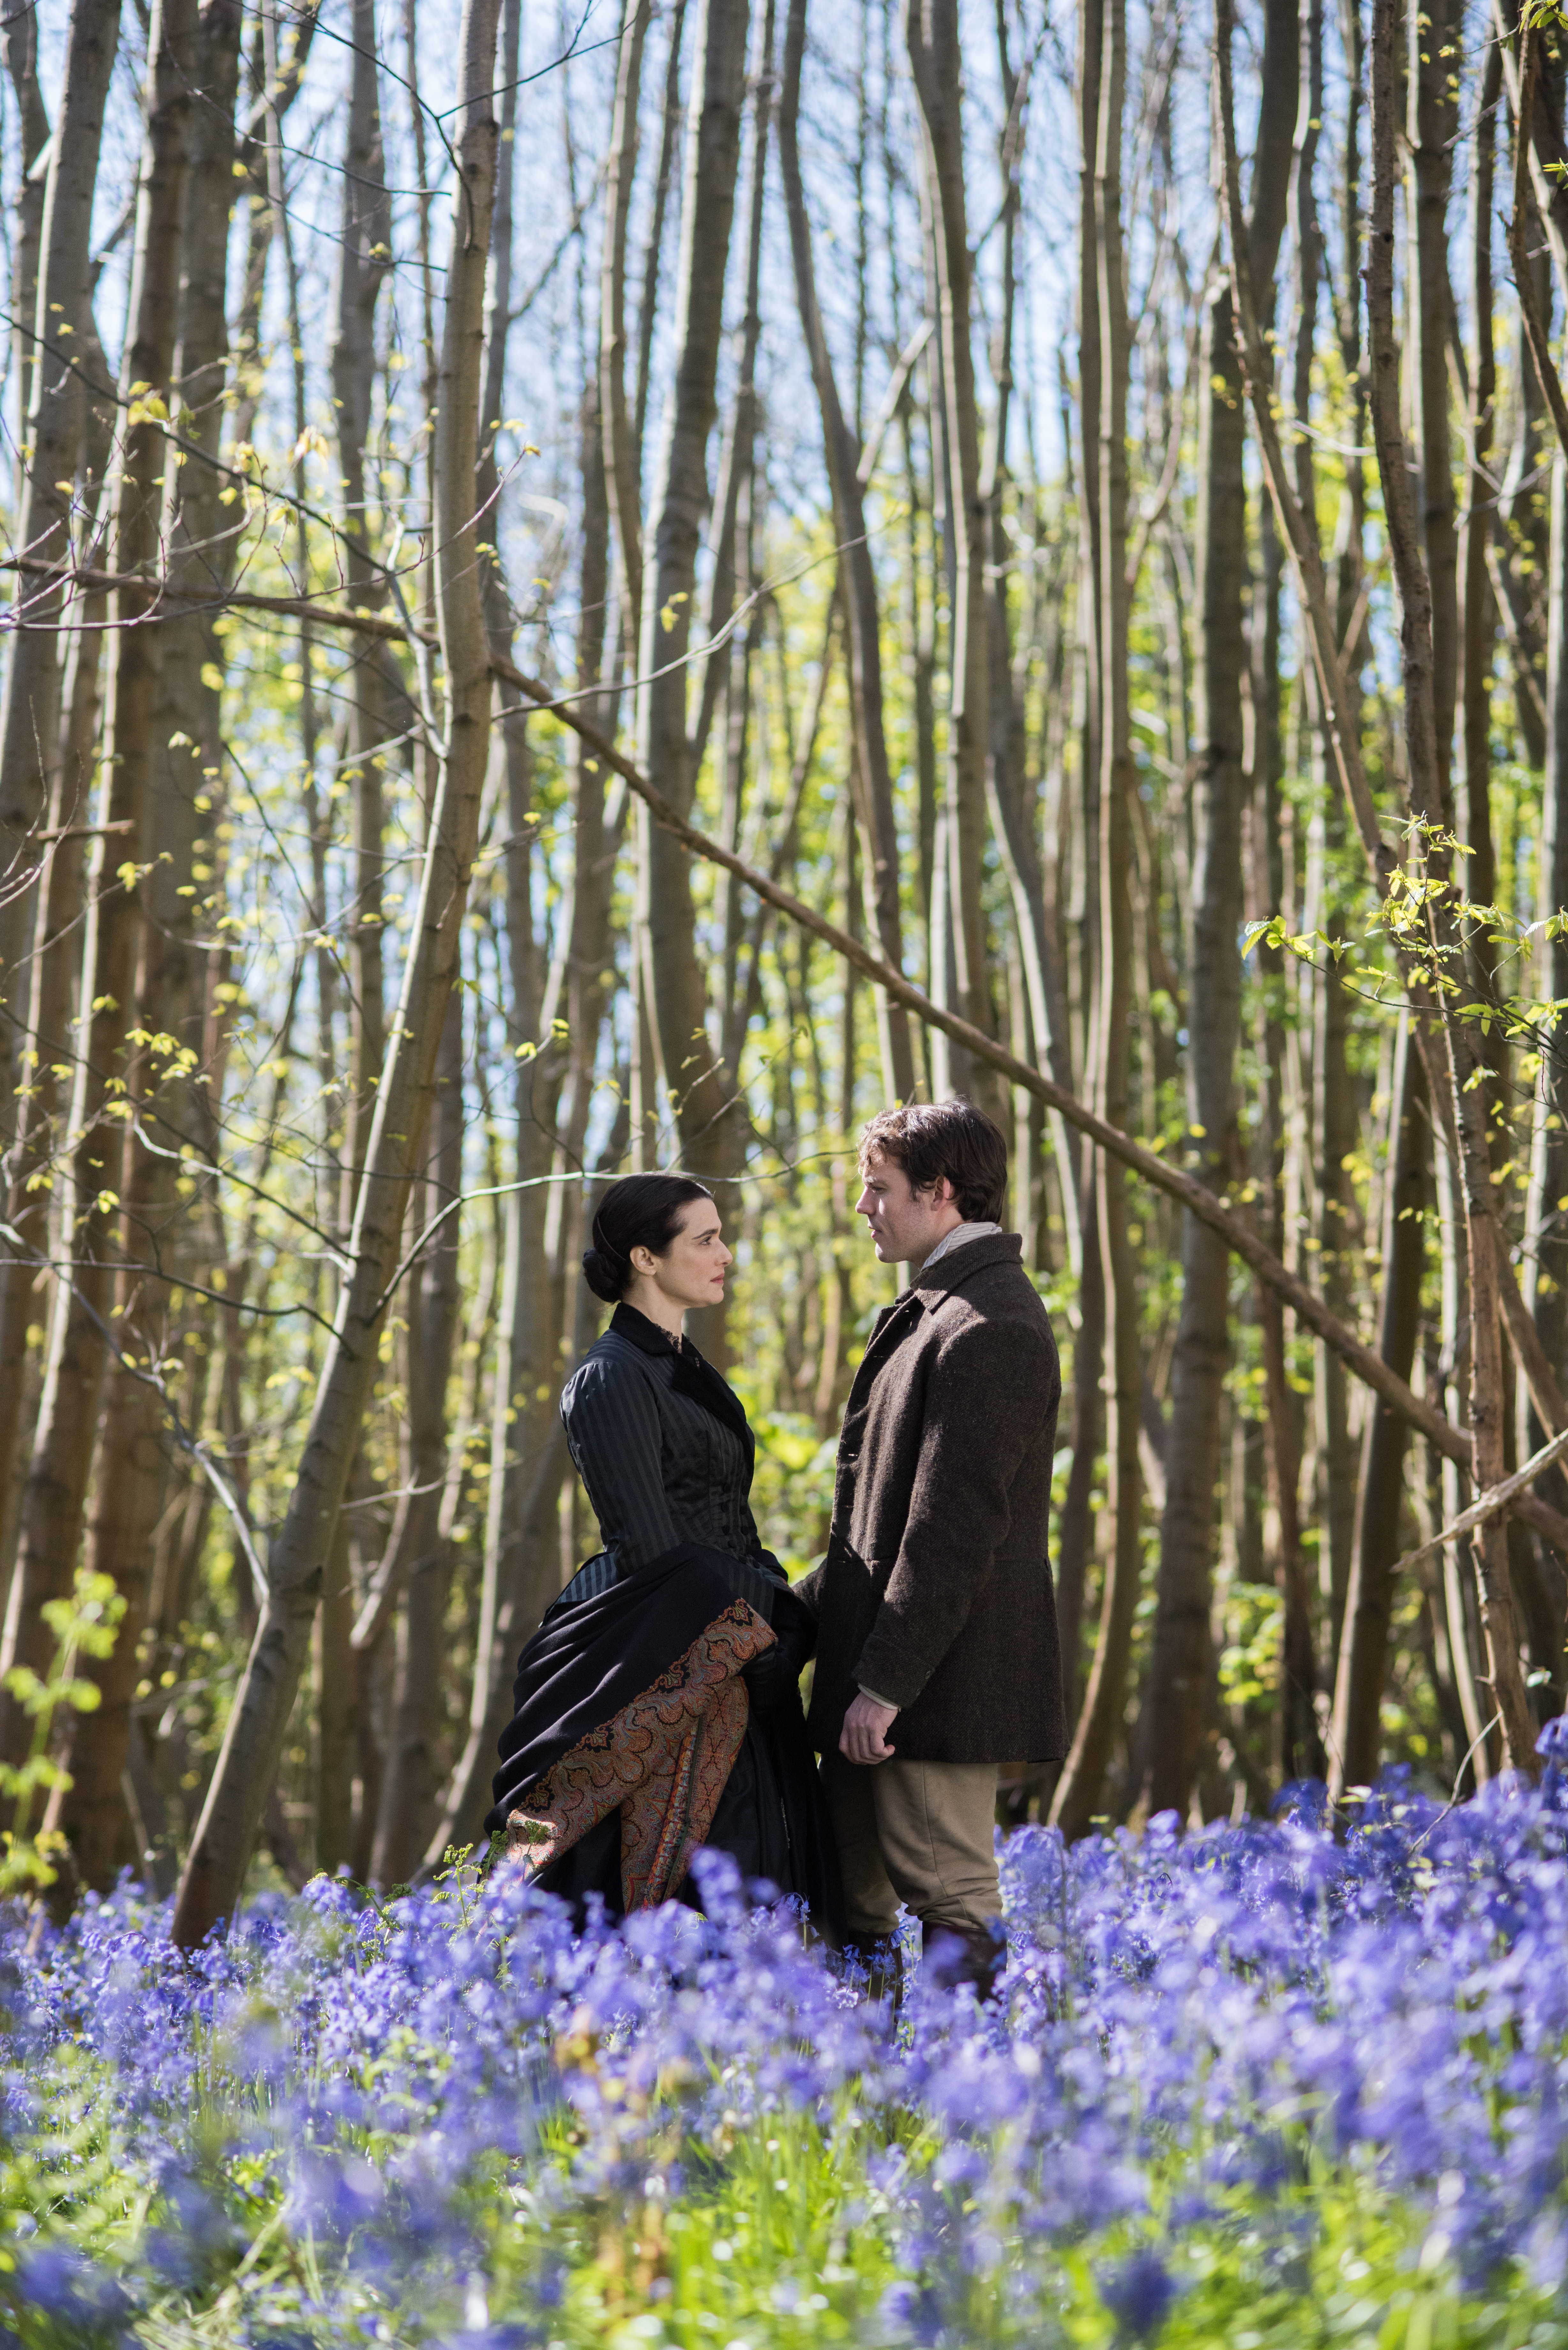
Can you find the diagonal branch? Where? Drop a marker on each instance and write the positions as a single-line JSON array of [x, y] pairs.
[[1361, 1360]]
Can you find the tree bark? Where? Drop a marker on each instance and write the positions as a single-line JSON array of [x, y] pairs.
[[879, 824], [621, 459], [253, 1742], [1431, 119], [527, 1446], [710, 1113], [373, 716], [1076, 1533], [29, 710], [1432, 802], [412, 1779], [521, 1569], [1546, 1226], [53, 1502], [931, 28], [52, 999], [162, 1227], [1177, 1710], [1012, 797], [1078, 1791], [19, 45]]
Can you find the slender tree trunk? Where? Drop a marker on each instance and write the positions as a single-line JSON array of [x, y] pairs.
[[160, 1229], [1546, 1230], [621, 458], [1078, 1792], [710, 1113], [520, 1573], [19, 45], [1432, 117], [56, 967], [528, 1447], [1178, 1709], [30, 711], [931, 28], [1432, 801], [863, 633], [1336, 1121], [413, 1777], [1076, 1534], [373, 718], [1013, 798], [253, 1742], [52, 1505]]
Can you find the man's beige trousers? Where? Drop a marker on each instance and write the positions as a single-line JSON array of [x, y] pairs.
[[921, 1833]]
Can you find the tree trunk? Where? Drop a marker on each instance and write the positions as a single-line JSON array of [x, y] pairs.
[[52, 1001], [253, 1741], [1432, 801], [1177, 1711], [710, 1114], [52, 1505], [1075, 1536], [931, 28], [1546, 1228], [161, 1228], [377, 709], [527, 1446], [1180, 1665], [29, 711], [1013, 801], [1078, 1791], [857, 573], [19, 44], [413, 1776], [621, 458]]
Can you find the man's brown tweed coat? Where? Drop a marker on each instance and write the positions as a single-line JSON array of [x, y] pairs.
[[936, 1591]]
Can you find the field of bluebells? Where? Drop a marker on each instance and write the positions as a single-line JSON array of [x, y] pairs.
[[1254, 2088]]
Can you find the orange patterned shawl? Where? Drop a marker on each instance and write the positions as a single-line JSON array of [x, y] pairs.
[[662, 1762]]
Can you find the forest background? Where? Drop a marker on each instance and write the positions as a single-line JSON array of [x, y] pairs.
[[1070, 514]]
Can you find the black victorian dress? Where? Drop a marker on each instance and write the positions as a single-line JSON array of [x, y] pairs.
[[658, 1708]]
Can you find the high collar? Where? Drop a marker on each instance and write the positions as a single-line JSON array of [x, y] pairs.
[[694, 1375], [649, 1336], [951, 1270]]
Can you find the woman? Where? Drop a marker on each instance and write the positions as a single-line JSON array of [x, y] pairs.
[[658, 1706]]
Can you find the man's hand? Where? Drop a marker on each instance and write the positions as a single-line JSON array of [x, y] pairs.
[[863, 1738]]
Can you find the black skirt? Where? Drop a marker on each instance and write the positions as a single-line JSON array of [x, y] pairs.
[[602, 1644]]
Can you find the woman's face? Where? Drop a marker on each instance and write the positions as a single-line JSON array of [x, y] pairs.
[[691, 1271]]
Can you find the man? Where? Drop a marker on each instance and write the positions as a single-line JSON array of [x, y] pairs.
[[937, 1651]]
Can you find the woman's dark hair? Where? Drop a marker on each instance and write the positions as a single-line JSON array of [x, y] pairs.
[[932, 1139], [639, 1211]]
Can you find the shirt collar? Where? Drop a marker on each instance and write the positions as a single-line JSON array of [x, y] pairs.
[[981, 1230]]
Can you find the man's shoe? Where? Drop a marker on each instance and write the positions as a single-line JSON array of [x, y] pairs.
[[976, 1959]]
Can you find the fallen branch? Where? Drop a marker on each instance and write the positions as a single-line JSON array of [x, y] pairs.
[[1486, 1506]]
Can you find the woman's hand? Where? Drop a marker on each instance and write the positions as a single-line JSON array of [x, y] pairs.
[[863, 1736]]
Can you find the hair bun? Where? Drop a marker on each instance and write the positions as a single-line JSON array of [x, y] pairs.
[[603, 1276]]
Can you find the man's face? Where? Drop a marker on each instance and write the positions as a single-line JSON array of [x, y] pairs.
[[905, 1224]]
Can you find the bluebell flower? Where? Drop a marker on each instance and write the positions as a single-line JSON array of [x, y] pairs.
[[1138, 2292]]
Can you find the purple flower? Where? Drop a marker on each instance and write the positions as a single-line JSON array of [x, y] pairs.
[[1137, 2291]]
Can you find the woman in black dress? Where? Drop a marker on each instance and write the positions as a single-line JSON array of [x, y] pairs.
[[658, 1706]]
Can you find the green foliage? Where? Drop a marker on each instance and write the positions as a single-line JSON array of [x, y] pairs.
[[85, 1625]]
